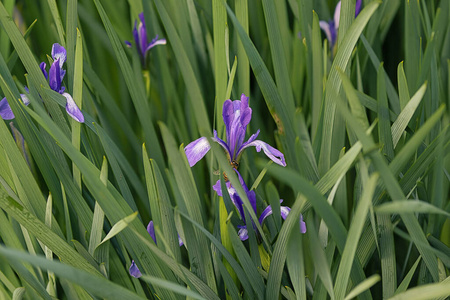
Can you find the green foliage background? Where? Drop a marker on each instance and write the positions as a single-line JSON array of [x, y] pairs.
[[363, 127]]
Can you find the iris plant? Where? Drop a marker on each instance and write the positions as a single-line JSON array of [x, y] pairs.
[[134, 270], [141, 39], [55, 77], [237, 201], [236, 116], [331, 27]]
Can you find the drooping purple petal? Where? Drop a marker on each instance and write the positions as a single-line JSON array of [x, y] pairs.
[[72, 109], [43, 65], [128, 44], [325, 26], [236, 201], [59, 54], [54, 76], [302, 224], [151, 230], [266, 212], [5, 110], [284, 211], [221, 143], [269, 151], [134, 270], [218, 188], [196, 150], [25, 99], [154, 43], [243, 233]]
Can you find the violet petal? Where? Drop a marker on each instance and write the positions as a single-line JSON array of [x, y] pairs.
[[72, 109], [196, 150]]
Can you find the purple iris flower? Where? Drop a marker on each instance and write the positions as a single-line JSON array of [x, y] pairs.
[[331, 27], [236, 116], [237, 201], [141, 40], [5, 110], [55, 78], [134, 270]]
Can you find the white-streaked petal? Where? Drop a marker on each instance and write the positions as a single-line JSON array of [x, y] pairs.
[[243, 233], [59, 52], [269, 151], [25, 99], [196, 150], [337, 14], [302, 224], [326, 28], [72, 109]]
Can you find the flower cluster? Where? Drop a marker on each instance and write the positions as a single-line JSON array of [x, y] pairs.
[[331, 27], [236, 116], [141, 39], [55, 78]]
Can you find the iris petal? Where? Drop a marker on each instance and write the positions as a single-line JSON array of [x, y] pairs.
[[357, 7], [5, 110], [326, 28], [54, 76], [337, 14], [243, 233], [154, 43], [72, 109], [134, 270], [59, 53], [43, 65], [302, 225], [221, 143], [151, 230], [196, 150], [269, 151]]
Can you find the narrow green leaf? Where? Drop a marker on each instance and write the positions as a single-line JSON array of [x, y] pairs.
[[405, 283], [426, 291], [78, 98], [411, 206], [384, 124], [181, 290], [363, 286], [356, 227], [119, 226], [403, 91], [405, 116], [18, 293], [220, 59], [99, 216], [57, 20]]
